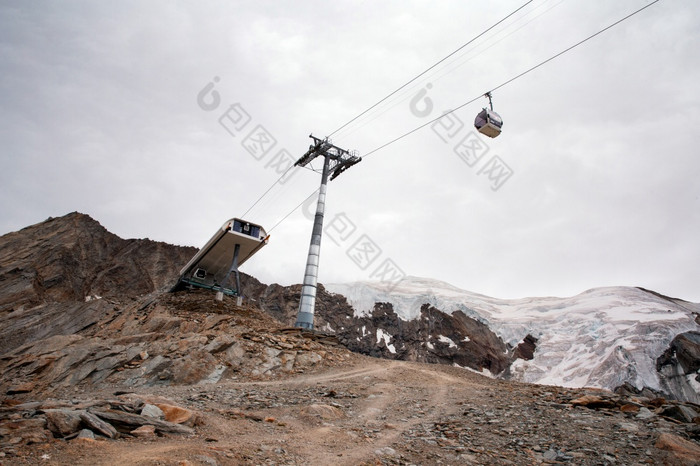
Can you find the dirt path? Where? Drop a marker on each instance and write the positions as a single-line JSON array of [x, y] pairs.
[[375, 412], [342, 416]]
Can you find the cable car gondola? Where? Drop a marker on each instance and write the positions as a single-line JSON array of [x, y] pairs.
[[487, 121]]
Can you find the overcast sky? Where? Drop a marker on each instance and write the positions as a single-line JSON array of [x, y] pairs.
[[148, 116]]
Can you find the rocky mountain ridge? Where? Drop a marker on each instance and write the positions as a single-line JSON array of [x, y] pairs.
[[97, 374], [66, 274], [53, 274]]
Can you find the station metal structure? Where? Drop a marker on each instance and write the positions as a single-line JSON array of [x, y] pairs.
[[335, 162], [213, 265]]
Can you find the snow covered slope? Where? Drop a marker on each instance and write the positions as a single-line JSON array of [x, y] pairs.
[[602, 337]]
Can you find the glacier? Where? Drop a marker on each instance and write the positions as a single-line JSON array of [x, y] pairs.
[[600, 338]]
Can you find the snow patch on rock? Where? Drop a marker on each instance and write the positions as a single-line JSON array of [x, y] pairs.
[[382, 335], [444, 339]]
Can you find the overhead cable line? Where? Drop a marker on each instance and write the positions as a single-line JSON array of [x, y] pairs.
[[575, 45], [294, 209], [433, 66], [509, 80], [446, 66], [272, 186], [268, 190], [468, 102], [393, 93], [458, 64]]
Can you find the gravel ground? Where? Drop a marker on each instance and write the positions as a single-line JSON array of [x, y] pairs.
[[371, 411]]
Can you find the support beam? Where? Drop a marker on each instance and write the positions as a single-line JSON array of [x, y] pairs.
[[234, 269], [307, 304], [335, 162]]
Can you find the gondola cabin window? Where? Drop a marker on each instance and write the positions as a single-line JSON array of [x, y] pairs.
[[246, 228]]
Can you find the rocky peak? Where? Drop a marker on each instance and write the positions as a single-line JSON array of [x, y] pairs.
[[73, 257], [53, 274]]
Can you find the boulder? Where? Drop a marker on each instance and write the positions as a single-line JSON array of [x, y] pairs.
[[630, 408], [153, 411], [178, 414], [86, 434], [171, 412], [593, 402], [63, 422], [146, 431], [25, 431], [684, 451], [98, 425], [126, 422], [680, 413]]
